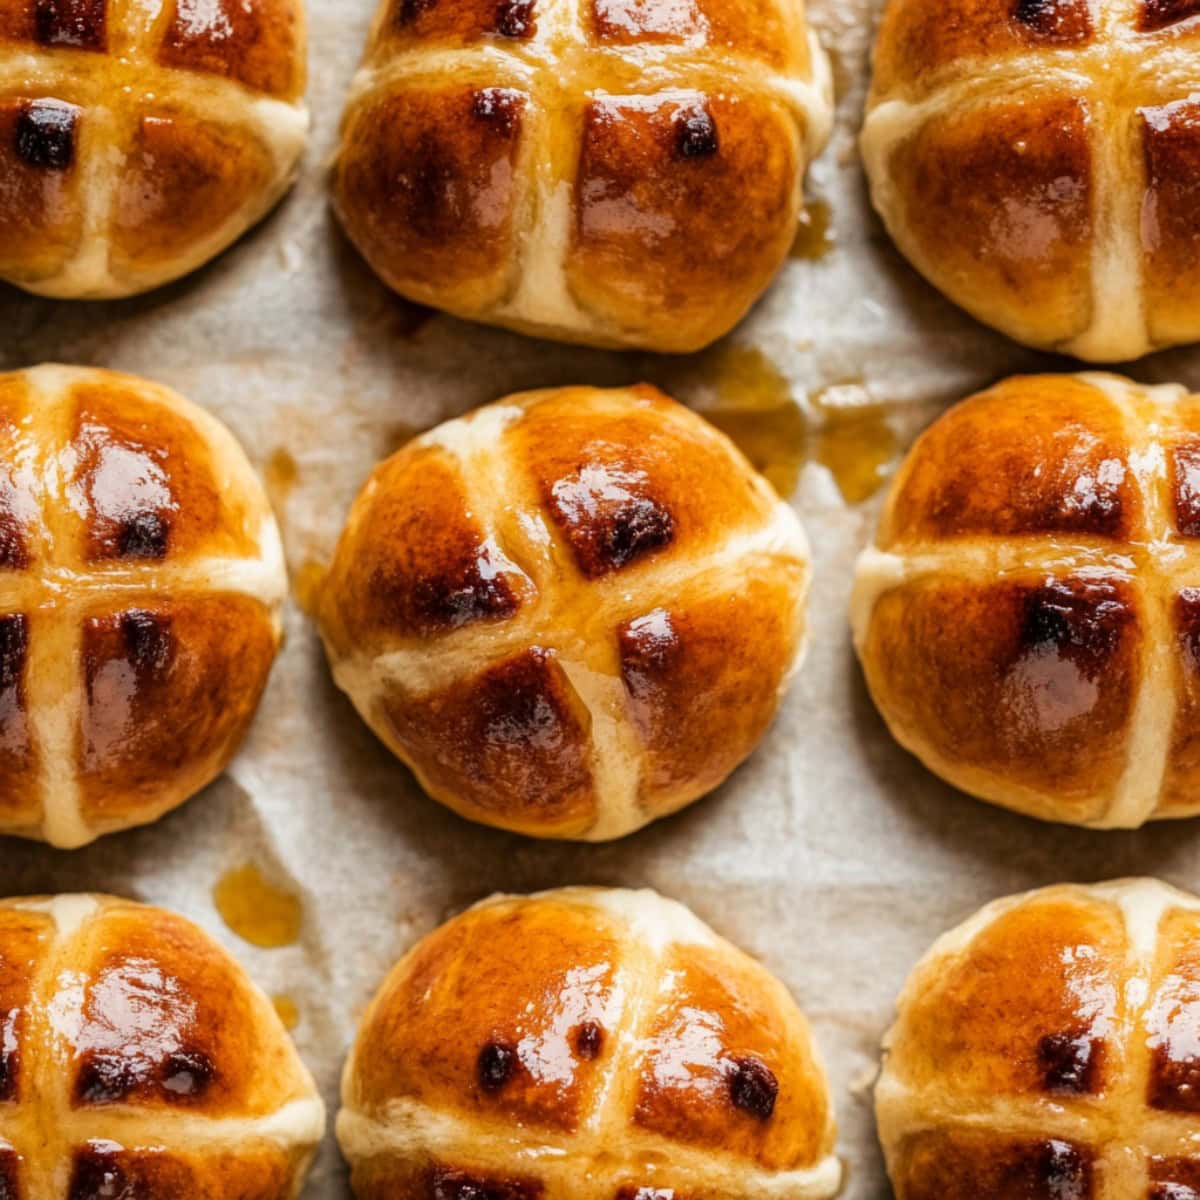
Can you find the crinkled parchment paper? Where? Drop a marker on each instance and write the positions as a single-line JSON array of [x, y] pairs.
[[832, 855]]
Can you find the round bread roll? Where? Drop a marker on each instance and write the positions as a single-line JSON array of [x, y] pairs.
[[585, 1044], [1029, 619], [1046, 1050], [610, 172], [1035, 160], [571, 612], [141, 581], [138, 140], [137, 1060]]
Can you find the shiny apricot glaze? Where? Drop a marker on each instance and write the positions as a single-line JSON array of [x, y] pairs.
[[1046, 1049], [1029, 617], [138, 1060], [1037, 163], [590, 1044], [141, 579], [614, 173], [571, 612], [138, 140]]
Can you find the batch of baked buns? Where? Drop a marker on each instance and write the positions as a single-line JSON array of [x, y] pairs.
[[574, 612]]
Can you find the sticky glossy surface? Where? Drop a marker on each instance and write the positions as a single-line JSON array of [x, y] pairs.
[[999, 196], [108, 478], [948, 1164], [582, 224], [1042, 672], [711, 1031], [648, 190], [1034, 455], [702, 1052], [487, 609], [177, 125], [426, 180], [1170, 136], [257, 909], [140, 1021], [969, 1033], [40, 215]]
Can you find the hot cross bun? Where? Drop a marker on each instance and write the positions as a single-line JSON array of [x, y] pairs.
[[141, 581], [1037, 161], [571, 612], [601, 171], [1046, 1049], [585, 1044], [1029, 618], [138, 1060], [139, 138]]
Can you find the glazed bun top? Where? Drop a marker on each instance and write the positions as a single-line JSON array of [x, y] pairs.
[[138, 139], [1029, 619], [571, 612], [597, 171], [141, 581], [1047, 1048], [1035, 160], [138, 1060], [585, 1043]]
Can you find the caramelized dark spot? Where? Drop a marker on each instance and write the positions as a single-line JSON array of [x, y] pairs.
[[647, 647], [695, 132], [1070, 1063], [1082, 621], [496, 1065], [446, 1184], [1158, 14], [589, 1040], [143, 535], [407, 11], [498, 106], [188, 1073], [148, 642], [78, 23], [105, 1079], [1185, 484], [514, 18], [1174, 1082], [1187, 619], [1173, 1191], [610, 518], [45, 134], [753, 1088], [98, 1174], [1062, 1172], [14, 646], [9, 1170], [645, 1193], [1054, 20]]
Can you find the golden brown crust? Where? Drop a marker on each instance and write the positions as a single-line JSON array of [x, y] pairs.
[[1036, 160], [579, 179], [154, 137], [994, 203], [486, 609], [612, 1026], [1027, 623], [508, 746], [679, 199], [1040, 1051], [426, 188], [139, 597], [126, 1032], [170, 688], [1034, 455]]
